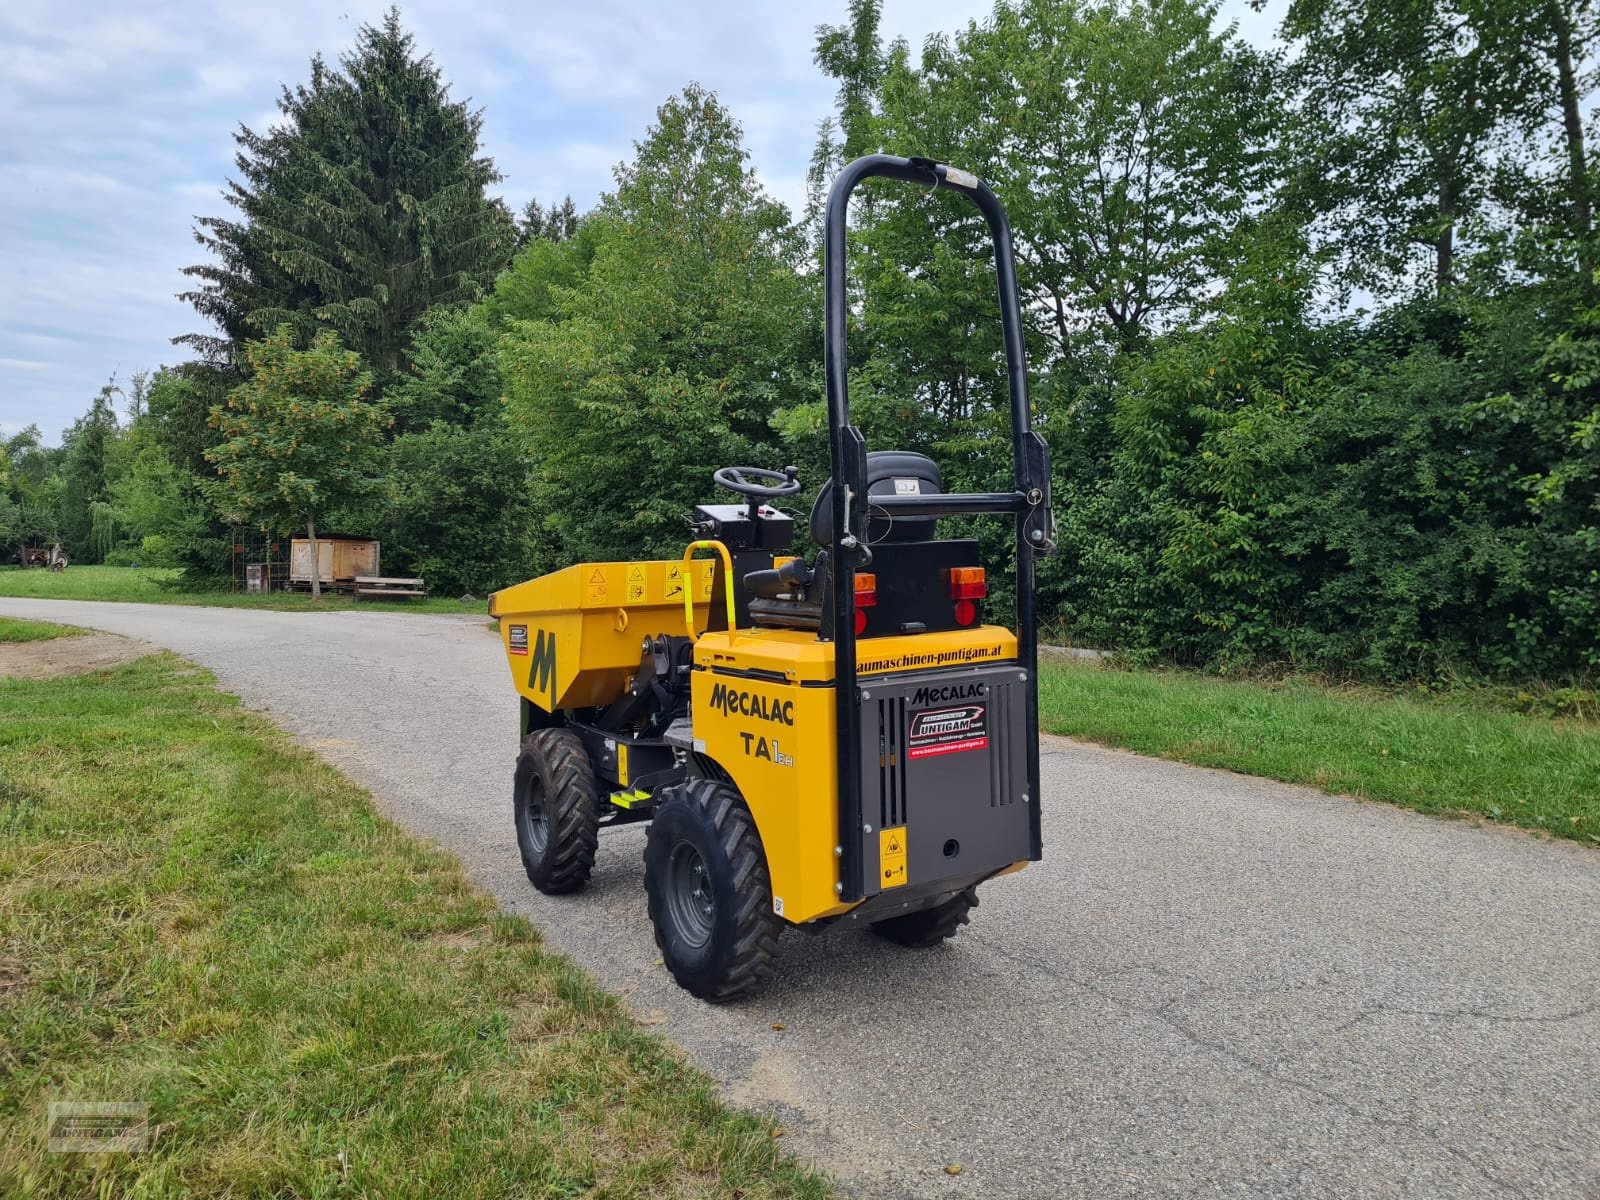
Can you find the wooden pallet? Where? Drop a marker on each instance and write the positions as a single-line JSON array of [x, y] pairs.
[[385, 587]]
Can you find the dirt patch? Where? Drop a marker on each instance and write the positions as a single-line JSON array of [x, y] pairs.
[[771, 1082], [69, 655], [12, 975]]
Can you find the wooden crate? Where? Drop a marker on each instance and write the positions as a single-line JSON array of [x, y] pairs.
[[338, 559]]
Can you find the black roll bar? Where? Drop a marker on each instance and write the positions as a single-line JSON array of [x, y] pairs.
[[1029, 503]]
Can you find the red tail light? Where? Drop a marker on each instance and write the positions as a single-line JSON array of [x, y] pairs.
[[968, 583], [866, 597], [966, 613]]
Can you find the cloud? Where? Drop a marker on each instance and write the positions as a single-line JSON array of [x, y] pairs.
[[121, 124]]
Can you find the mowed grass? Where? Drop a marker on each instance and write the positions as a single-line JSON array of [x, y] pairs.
[[13, 629], [1448, 759], [145, 584], [197, 915]]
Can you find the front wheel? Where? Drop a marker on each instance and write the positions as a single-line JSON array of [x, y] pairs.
[[929, 926], [709, 894], [557, 807]]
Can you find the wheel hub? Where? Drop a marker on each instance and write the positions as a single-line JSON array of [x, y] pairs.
[[538, 822], [689, 895]]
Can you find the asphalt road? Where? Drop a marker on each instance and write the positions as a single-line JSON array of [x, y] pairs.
[[1212, 986]]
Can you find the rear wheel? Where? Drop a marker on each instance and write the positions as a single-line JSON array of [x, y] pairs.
[[709, 893], [557, 808], [929, 926]]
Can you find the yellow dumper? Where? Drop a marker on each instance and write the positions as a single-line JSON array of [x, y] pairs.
[[839, 738]]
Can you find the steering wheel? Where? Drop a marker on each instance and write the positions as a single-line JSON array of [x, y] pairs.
[[741, 480]]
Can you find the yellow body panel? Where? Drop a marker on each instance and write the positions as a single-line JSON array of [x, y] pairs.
[[799, 657], [581, 628], [783, 766], [776, 739]]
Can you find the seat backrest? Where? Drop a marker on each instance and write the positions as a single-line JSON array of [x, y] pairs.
[[889, 473]]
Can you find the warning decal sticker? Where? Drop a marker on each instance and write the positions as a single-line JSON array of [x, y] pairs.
[[892, 857], [948, 731], [519, 639]]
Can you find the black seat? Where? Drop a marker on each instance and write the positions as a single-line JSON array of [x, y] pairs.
[[889, 473]]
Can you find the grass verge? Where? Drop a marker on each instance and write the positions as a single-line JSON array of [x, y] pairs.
[[1433, 756], [197, 915], [14, 629], [145, 584]]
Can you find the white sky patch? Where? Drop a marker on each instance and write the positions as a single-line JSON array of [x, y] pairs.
[[120, 120], [788, 190], [56, 181]]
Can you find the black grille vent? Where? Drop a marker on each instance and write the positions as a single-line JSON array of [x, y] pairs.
[[891, 763], [1002, 785]]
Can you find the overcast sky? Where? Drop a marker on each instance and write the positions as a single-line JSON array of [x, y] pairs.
[[116, 121]]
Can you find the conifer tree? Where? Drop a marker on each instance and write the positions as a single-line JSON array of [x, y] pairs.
[[363, 207], [558, 223]]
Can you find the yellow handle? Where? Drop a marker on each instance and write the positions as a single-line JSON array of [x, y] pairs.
[[688, 590]]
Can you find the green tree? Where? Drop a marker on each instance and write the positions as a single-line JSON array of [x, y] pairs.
[[88, 470], [299, 438], [32, 478], [1541, 172], [1344, 497], [359, 211], [10, 508], [1403, 102], [853, 54], [1135, 149], [1130, 142], [454, 376], [558, 223], [154, 501], [529, 290], [177, 417], [1570, 29], [1550, 425], [462, 515], [669, 354], [10, 517]]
